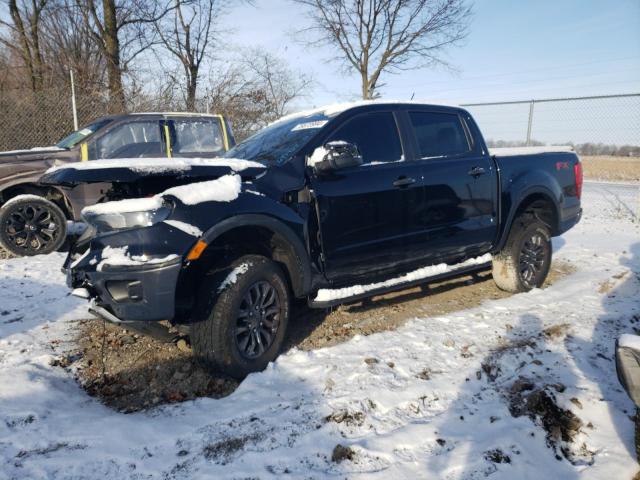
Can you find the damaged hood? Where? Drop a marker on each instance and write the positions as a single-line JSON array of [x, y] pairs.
[[132, 170]]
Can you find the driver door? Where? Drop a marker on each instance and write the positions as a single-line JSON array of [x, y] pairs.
[[362, 210]]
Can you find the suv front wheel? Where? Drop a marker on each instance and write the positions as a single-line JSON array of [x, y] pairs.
[[241, 316], [31, 225]]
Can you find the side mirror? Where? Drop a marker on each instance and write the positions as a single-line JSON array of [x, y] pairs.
[[337, 155]]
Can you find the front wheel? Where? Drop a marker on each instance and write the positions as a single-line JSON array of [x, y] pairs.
[[241, 316], [31, 225], [525, 260]]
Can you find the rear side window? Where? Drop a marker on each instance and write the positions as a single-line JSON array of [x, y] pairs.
[[375, 135], [439, 134], [197, 136]]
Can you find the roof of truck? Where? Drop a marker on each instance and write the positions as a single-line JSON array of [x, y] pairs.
[[336, 108]]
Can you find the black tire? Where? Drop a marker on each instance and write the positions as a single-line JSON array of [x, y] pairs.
[[524, 262], [224, 318], [31, 225]]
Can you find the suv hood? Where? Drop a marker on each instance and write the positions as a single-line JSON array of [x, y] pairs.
[[132, 170], [37, 153]]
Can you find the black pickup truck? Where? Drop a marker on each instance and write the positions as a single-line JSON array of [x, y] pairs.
[[331, 205]]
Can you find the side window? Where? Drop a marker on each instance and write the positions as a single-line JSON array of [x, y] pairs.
[[130, 140], [197, 136], [439, 134], [375, 135]]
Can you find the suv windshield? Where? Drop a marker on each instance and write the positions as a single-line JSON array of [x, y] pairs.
[[278, 142], [79, 135]]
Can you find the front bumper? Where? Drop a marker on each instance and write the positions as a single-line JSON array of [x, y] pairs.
[[132, 293]]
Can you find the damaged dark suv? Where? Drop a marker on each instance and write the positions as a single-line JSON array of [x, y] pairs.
[[332, 206]]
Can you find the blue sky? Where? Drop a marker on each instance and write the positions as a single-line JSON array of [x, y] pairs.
[[515, 50]]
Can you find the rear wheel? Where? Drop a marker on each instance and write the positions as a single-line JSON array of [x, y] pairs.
[[31, 225], [525, 260], [241, 317]]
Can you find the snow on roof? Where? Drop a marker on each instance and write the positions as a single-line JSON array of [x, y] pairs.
[[336, 108], [627, 340], [178, 114], [160, 164], [511, 151]]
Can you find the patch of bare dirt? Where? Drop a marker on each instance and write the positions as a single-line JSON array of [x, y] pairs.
[[139, 372], [341, 453]]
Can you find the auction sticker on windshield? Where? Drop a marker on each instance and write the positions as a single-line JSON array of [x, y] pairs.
[[309, 125]]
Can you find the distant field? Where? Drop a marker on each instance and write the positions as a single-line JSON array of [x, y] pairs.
[[604, 167]]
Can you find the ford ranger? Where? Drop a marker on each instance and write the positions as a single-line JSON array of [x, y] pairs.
[[332, 206]]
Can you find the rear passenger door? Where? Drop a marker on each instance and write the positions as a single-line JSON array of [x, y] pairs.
[[458, 215], [362, 211]]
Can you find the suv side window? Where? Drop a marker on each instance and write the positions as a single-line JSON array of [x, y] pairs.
[[375, 135], [439, 134], [197, 136], [130, 140]]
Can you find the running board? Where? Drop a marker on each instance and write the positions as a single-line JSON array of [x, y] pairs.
[[152, 329], [400, 286]]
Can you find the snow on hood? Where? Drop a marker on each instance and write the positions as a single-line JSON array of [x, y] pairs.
[[160, 164], [52, 148], [223, 189], [124, 206]]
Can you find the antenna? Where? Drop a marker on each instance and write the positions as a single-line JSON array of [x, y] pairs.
[[413, 95]]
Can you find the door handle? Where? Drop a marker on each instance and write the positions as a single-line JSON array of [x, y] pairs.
[[404, 181], [476, 171]]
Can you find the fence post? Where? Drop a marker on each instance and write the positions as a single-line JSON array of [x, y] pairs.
[[73, 101], [530, 122]]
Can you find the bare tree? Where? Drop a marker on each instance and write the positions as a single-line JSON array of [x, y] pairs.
[[118, 28], [255, 90], [68, 44], [24, 36], [377, 36], [186, 34], [277, 85]]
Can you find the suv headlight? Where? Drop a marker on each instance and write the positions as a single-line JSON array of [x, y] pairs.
[[122, 214]]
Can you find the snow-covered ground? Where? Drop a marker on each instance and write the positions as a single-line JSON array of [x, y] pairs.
[[420, 406]]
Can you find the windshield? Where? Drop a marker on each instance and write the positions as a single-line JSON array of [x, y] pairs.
[[76, 137], [277, 143]]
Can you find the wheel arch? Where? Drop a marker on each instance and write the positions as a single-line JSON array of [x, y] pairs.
[[541, 202], [248, 234], [48, 192]]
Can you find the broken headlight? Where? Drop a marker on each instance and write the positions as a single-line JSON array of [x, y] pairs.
[[122, 214]]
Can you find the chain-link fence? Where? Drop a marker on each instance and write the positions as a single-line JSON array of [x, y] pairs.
[[31, 119], [604, 130]]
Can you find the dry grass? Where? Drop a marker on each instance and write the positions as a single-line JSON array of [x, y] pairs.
[[604, 167]]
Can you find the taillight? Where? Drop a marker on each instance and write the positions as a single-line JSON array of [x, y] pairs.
[[577, 170]]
